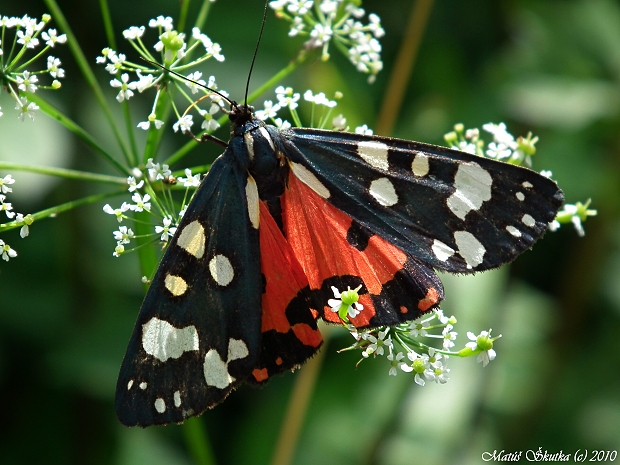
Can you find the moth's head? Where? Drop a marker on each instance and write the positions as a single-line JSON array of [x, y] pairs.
[[240, 114]]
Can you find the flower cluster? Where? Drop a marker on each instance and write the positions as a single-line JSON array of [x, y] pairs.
[[517, 152], [325, 21], [575, 214], [15, 76], [145, 199], [321, 109], [402, 345], [18, 220], [172, 47]]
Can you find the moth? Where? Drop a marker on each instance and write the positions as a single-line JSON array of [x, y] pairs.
[[285, 215]]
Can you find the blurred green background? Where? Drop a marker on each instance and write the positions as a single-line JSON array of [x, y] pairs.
[[67, 306]]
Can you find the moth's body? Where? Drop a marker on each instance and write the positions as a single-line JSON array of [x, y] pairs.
[[284, 216]]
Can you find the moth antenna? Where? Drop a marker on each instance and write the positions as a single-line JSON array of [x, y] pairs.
[[260, 35], [230, 102]]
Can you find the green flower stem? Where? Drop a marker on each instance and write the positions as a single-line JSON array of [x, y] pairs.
[[197, 440], [64, 173], [89, 76], [203, 14], [183, 14], [305, 383], [131, 132], [107, 23], [77, 130], [32, 60], [148, 255], [403, 66], [153, 138], [53, 211]]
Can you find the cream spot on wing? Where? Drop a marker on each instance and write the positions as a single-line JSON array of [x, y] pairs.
[[249, 144], [163, 341], [129, 384], [221, 270], [309, 179], [177, 398], [520, 196], [374, 153], [192, 239], [142, 385], [251, 194], [383, 191], [175, 284], [470, 248], [216, 370], [442, 251], [473, 188], [419, 165], [237, 349], [160, 405], [527, 220], [266, 135], [514, 231], [527, 185]]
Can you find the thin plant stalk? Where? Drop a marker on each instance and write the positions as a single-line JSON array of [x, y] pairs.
[[403, 66]]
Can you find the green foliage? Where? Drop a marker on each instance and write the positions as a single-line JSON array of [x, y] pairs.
[[68, 307]]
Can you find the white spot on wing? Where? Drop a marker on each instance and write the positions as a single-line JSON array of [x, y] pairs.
[[527, 185], [470, 248], [527, 220], [175, 284], [142, 385], [129, 384], [383, 191], [221, 270], [374, 153], [251, 193], [419, 165], [266, 135], [473, 188], [216, 370], [192, 239], [237, 349], [514, 231], [177, 398], [249, 144], [442, 251], [520, 196], [304, 175], [163, 341], [160, 405]]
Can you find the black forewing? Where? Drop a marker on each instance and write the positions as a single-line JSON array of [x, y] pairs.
[[219, 314], [422, 216]]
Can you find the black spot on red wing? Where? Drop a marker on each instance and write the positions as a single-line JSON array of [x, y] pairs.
[[281, 352], [298, 310], [358, 236], [404, 291], [342, 283], [409, 286]]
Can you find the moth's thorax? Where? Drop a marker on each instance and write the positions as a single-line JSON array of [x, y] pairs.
[[258, 148]]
